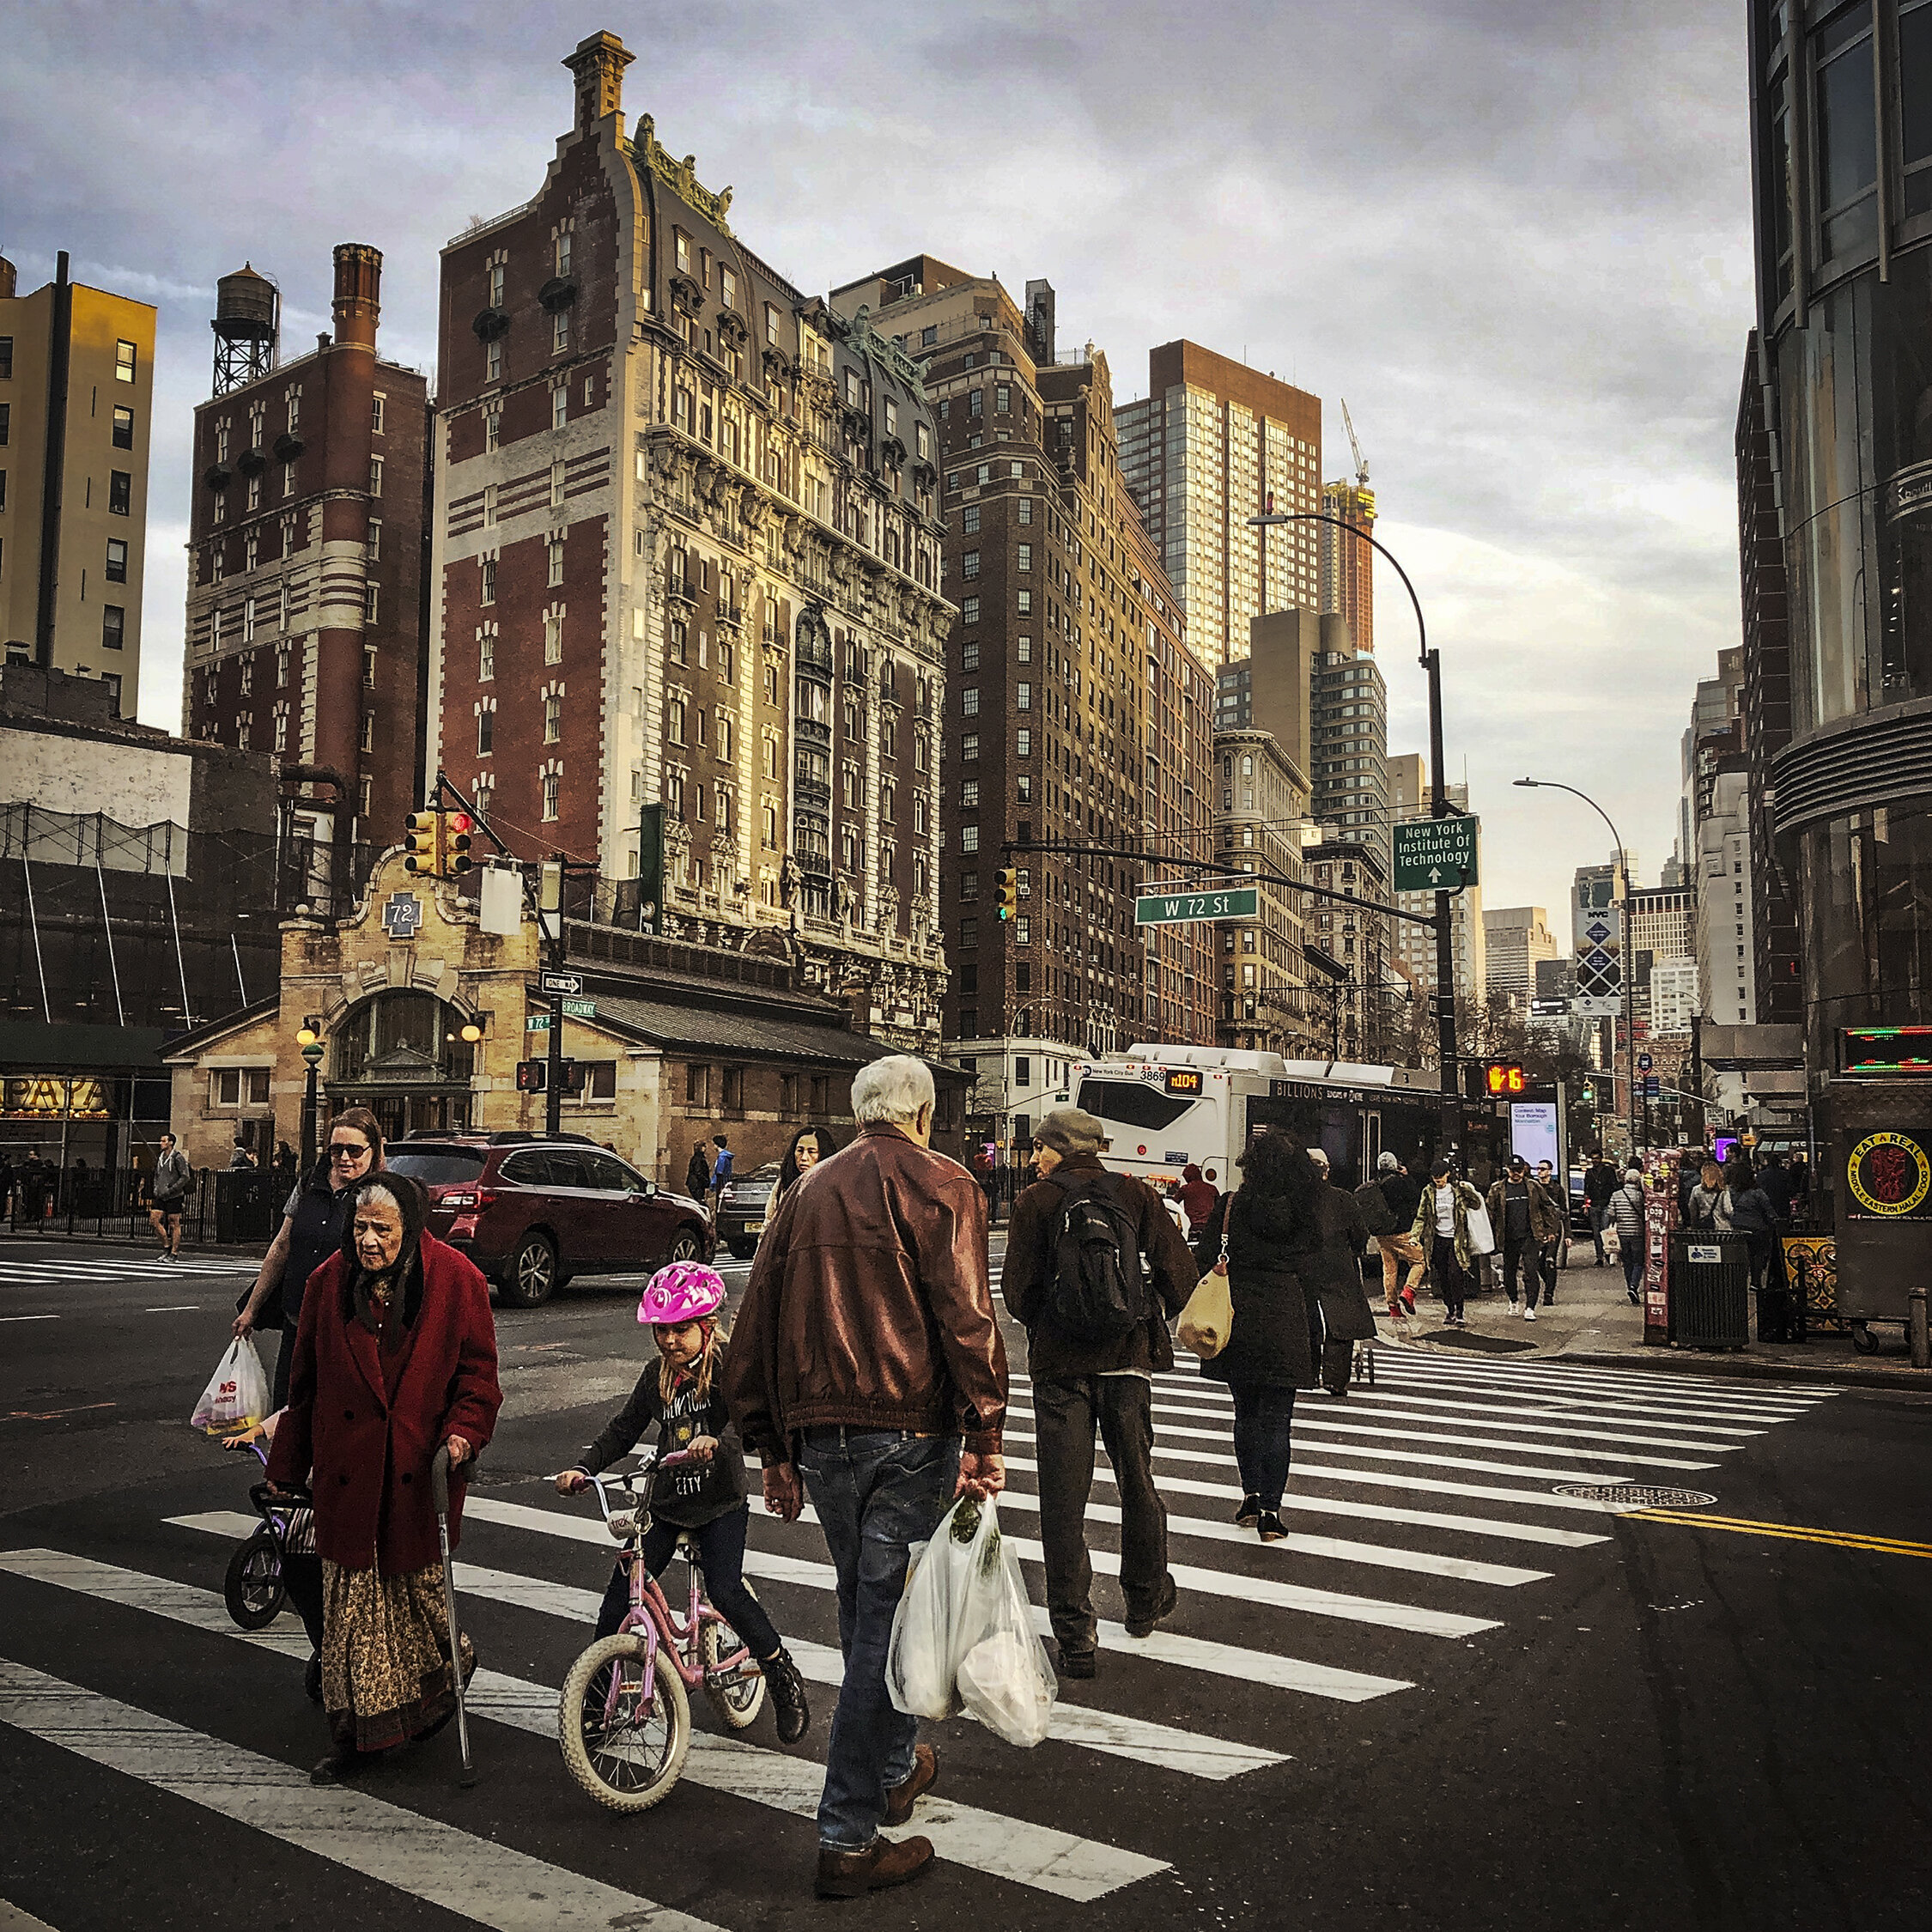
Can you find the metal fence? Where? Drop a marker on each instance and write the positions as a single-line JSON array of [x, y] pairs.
[[239, 1204]]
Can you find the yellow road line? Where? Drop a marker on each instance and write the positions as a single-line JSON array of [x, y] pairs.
[[1843, 1540]]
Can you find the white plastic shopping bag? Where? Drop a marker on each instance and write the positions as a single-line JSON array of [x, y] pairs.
[[928, 1639], [1482, 1236], [1004, 1677], [237, 1394]]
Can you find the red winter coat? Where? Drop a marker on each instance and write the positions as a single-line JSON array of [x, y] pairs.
[[370, 1452]]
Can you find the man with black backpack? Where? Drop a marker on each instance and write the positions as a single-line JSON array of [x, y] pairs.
[[1096, 1269]]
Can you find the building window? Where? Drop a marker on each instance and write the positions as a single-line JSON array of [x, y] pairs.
[[1025, 649], [120, 492], [486, 733], [492, 361], [557, 562], [970, 613], [1023, 743], [117, 559], [375, 476], [373, 599], [1026, 509], [1026, 557], [492, 429], [553, 637], [123, 428], [969, 654], [368, 667], [124, 362], [969, 702], [553, 784], [113, 627], [1026, 604], [969, 519], [969, 564], [486, 656], [560, 332], [553, 718], [490, 580], [374, 548], [560, 417]]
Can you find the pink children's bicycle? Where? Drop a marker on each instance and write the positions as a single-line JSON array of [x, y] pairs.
[[623, 1716]]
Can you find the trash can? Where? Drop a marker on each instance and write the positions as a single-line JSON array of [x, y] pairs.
[[1710, 1289]]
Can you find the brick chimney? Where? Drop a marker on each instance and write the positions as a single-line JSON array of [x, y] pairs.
[[597, 67], [358, 292]]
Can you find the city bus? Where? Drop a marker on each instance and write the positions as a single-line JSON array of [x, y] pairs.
[[1165, 1107]]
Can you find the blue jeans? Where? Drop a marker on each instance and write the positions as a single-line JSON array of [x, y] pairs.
[[1263, 1415], [878, 1492]]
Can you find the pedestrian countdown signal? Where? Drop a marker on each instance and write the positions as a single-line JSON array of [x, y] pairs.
[[1502, 1078]]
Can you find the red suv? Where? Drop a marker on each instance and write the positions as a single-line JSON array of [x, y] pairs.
[[532, 1211]]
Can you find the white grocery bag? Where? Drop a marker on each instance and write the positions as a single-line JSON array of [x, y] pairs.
[[1004, 1677], [237, 1394], [963, 1637]]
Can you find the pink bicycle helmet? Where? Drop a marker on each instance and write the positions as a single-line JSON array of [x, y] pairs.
[[685, 1292]]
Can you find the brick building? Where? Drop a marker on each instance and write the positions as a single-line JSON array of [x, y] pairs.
[[1213, 444], [1260, 825], [305, 626], [1068, 633], [686, 553], [1367, 1014]]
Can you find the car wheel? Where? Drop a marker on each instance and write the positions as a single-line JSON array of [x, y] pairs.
[[685, 1246], [532, 1276], [744, 1250]]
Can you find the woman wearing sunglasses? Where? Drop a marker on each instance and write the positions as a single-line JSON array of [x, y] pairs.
[[313, 1221]]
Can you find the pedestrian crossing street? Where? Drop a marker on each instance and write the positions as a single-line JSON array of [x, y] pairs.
[[1425, 1522]]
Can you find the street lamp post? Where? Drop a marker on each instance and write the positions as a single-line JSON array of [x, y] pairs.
[[1629, 956], [1439, 807], [309, 1039]]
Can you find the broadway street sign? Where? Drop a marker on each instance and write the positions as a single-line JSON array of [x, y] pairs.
[[1179, 909], [1436, 855]]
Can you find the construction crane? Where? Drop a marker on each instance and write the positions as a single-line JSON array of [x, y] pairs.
[[1361, 462]]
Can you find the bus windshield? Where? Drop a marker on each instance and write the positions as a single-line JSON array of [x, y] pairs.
[[1134, 1103]]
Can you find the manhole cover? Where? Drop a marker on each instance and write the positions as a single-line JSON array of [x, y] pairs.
[[1637, 1496]]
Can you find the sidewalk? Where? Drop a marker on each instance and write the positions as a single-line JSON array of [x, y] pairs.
[[1593, 1322]]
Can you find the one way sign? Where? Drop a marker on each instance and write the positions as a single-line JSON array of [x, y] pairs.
[[567, 984]]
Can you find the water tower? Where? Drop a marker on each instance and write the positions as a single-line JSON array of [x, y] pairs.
[[247, 322]]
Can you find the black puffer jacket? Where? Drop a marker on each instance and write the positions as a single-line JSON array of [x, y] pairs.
[[1269, 1252]]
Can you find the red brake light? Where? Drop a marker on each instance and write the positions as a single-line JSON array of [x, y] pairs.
[[467, 1197]]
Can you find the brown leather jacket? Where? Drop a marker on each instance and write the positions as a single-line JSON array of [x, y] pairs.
[[1031, 1260], [869, 1305]]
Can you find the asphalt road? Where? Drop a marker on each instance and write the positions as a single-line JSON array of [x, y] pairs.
[[1453, 1698]]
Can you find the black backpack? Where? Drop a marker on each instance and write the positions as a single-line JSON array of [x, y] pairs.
[[1098, 1293], [1377, 1216]]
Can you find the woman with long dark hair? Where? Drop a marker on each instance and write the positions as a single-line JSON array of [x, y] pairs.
[[1743, 1207], [1270, 1233], [810, 1145]]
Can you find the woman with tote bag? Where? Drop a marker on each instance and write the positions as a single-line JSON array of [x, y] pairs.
[[1264, 1237]]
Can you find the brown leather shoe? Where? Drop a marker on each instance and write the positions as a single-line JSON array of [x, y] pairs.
[[852, 1874], [900, 1799]]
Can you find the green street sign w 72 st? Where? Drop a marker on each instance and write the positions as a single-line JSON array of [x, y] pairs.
[[1179, 908], [1436, 855]]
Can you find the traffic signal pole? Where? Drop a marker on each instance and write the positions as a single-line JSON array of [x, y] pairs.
[[549, 920], [1439, 807]]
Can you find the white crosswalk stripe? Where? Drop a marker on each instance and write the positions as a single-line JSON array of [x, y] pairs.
[[1422, 1510], [1011, 1848], [490, 1883]]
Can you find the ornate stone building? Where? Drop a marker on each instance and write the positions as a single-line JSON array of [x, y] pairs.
[[687, 554]]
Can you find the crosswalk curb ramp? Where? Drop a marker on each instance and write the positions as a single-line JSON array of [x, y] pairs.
[[1426, 1510]]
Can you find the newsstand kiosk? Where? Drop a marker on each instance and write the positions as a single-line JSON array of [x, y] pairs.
[[1882, 1156]]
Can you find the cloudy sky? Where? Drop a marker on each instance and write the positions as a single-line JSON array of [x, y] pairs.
[[1514, 235]]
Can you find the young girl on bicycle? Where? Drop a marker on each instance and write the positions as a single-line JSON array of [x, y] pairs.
[[682, 1395]]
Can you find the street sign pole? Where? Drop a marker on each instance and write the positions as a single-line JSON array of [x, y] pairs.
[[1445, 936], [551, 918]]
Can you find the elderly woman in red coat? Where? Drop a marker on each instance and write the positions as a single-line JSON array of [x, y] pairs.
[[395, 1356]]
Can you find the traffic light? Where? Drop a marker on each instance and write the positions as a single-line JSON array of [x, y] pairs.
[[425, 839], [1503, 1077], [1006, 881], [456, 859], [530, 1076]]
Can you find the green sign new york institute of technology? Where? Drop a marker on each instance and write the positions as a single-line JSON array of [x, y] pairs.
[[1178, 908], [1436, 855]]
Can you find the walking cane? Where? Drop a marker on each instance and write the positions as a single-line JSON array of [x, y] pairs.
[[439, 1489]]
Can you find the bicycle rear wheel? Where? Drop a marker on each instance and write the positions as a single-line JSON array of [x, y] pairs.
[[630, 1762], [738, 1695], [252, 1587]]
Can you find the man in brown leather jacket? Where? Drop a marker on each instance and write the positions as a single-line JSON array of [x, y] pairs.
[[1081, 1385], [867, 1360]]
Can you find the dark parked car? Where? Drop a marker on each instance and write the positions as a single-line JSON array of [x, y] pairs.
[[532, 1212], [744, 1208]]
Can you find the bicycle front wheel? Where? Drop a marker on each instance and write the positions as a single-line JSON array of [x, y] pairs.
[[252, 1587], [625, 1752]]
